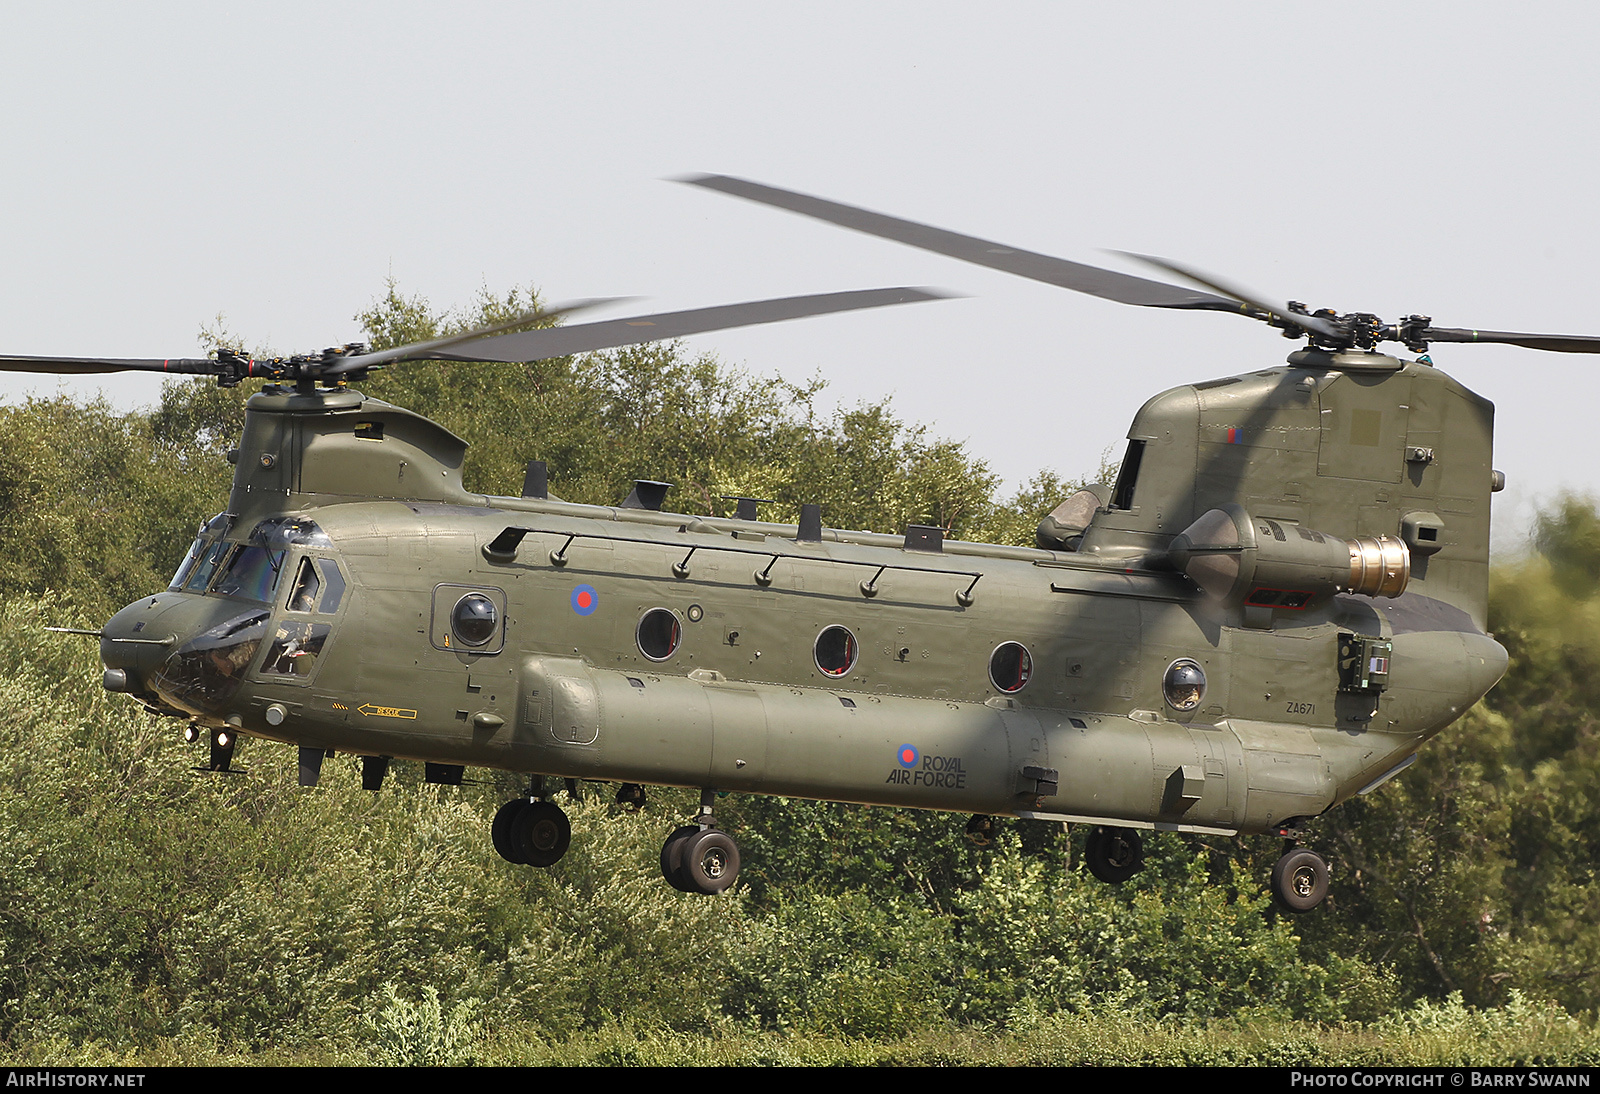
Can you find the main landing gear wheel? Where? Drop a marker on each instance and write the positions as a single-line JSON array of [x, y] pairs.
[[500, 830], [1300, 880], [699, 860], [541, 833], [531, 833], [672, 856], [1113, 854], [710, 861]]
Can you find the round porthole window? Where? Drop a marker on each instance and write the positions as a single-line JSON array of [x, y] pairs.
[[659, 633], [1010, 666], [836, 651], [474, 619], [1184, 684]]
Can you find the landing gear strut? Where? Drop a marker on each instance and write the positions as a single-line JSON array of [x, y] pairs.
[[223, 741], [700, 857], [531, 831], [1113, 854]]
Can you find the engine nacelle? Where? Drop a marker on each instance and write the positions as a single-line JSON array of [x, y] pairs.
[[1271, 563]]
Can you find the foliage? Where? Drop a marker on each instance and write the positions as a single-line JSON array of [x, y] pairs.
[[96, 502], [422, 1034]]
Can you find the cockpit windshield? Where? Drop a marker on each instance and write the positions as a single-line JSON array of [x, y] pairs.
[[248, 570], [252, 573], [201, 567], [202, 548]]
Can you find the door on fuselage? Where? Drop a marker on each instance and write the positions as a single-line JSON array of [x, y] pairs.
[[303, 626]]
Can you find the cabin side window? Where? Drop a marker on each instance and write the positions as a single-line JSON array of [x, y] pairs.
[[658, 634], [1010, 667], [835, 651]]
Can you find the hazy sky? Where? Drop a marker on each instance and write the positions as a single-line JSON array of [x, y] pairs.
[[166, 162]]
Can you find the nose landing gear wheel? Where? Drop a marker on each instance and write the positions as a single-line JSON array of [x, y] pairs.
[[1300, 880], [1113, 854]]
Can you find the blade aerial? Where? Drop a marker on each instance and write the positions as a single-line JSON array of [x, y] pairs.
[[537, 345], [1123, 288]]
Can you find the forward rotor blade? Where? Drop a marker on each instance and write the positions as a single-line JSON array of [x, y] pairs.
[[80, 366], [427, 351], [537, 345], [1265, 310], [1123, 288], [1556, 343]]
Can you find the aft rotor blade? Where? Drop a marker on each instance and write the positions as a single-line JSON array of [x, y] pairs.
[[537, 345], [1107, 284], [1557, 343], [428, 351], [1266, 311], [77, 366]]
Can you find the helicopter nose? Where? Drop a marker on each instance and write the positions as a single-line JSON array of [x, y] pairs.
[[136, 641]]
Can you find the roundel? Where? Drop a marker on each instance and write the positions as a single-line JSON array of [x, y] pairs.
[[907, 755], [585, 600]]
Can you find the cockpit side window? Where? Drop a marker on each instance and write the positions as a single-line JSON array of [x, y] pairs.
[[335, 583], [306, 586], [295, 648]]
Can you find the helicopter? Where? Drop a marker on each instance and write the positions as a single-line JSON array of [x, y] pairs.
[[1278, 601]]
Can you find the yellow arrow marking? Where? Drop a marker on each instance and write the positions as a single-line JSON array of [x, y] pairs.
[[385, 712]]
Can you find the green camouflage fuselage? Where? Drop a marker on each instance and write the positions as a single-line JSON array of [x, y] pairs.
[[562, 684]]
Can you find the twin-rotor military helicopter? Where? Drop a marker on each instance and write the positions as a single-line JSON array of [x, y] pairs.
[[1280, 599]]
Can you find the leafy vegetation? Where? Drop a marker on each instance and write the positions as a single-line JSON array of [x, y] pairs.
[[149, 914]]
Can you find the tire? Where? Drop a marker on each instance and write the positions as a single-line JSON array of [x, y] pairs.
[[541, 833], [1113, 854], [1300, 881], [981, 830], [500, 830], [672, 857], [710, 862]]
